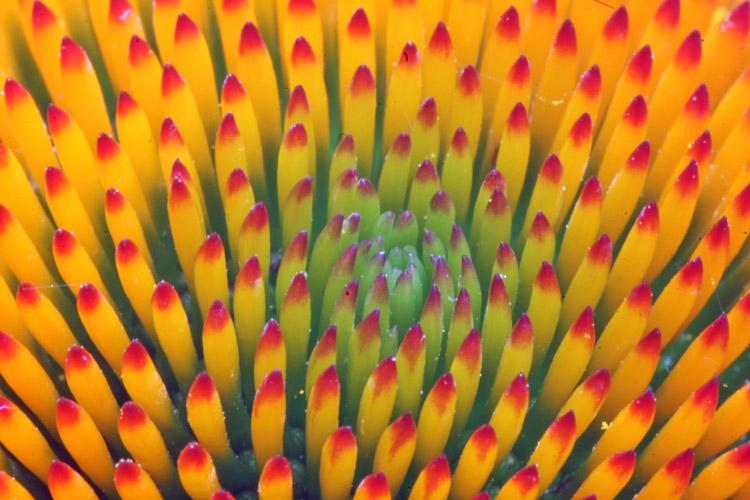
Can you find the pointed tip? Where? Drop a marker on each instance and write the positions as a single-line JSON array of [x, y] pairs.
[[698, 104], [15, 93], [691, 274], [444, 387], [498, 296], [522, 334], [520, 73], [544, 7], [7, 409], [552, 169], [718, 236], [640, 65], [59, 475], [297, 101], [126, 251], [505, 255], [636, 114], [622, 463], [508, 26], [741, 202], [440, 41], [72, 56], [385, 374], [707, 395], [302, 190], [401, 145], [526, 479], [169, 132], [55, 181], [362, 82], [668, 14], [6, 218], [27, 294], [518, 120], [546, 280], [460, 142], [9, 347], [42, 16], [517, 393], [643, 407], [640, 157], [126, 104], [580, 132], [186, 31], [271, 389], [171, 80], [597, 385], [409, 56], [565, 42], [342, 439], [77, 358], [132, 417], [295, 137], [639, 297], [327, 388], [193, 457], [468, 82], [426, 172], [716, 333], [738, 21], [57, 119], [106, 147], [327, 343], [237, 182], [119, 11], [302, 52], [540, 228], [700, 148], [114, 201], [346, 146], [689, 53], [127, 472], [301, 7], [203, 388], [217, 318], [276, 469], [369, 327], [470, 352], [228, 130], [138, 51], [563, 430], [681, 467], [232, 89], [617, 24], [584, 325], [359, 25], [212, 248], [135, 357], [63, 242], [165, 296], [298, 290], [648, 219], [591, 82], [68, 413], [427, 114], [250, 39]]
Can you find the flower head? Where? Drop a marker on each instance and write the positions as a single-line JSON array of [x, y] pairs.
[[434, 249]]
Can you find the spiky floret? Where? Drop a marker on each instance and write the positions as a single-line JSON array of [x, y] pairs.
[[380, 249]]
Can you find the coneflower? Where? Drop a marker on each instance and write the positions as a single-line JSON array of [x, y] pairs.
[[408, 249]]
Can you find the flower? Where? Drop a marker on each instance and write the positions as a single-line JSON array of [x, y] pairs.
[[409, 249]]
